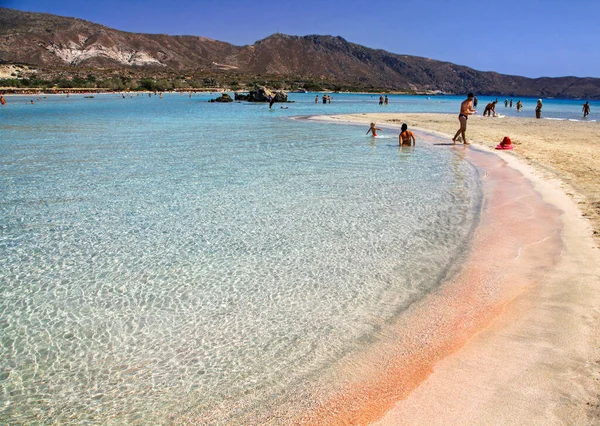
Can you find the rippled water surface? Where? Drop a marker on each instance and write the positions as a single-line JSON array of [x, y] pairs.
[[160, 257]]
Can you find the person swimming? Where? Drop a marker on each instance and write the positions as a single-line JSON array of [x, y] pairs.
[[406, 138], [373, 129]]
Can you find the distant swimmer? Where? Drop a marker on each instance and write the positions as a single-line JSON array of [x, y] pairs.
[[510, 104], [2, 100], [505, 103], [585, 109], [475, 102], [406, 138], [271, 101], [490, 109], [519, 105], [538, 109], [317, 99], [386, 100], [373, 129], [466, 109], [380, 100]]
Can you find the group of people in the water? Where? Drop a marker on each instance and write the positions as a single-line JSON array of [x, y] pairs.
[[326, 99], [383, 100], [406, 137]]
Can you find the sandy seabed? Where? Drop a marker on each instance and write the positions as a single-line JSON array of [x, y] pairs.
[[513, 337]]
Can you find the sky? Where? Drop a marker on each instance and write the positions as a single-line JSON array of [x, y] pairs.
[[532, 38]]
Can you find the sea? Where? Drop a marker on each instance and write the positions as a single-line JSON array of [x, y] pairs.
[[173, 258]]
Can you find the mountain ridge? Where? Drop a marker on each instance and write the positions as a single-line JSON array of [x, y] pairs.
[[72, 44]]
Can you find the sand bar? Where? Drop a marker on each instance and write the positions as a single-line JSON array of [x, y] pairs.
[[514, 338]]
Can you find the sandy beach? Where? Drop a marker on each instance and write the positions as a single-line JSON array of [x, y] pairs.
[[513, 338]]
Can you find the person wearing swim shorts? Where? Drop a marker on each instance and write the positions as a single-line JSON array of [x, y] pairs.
[[406, 138], [373, 129], [466, 109]]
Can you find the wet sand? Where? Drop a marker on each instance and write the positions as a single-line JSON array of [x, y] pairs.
[[511, 339]]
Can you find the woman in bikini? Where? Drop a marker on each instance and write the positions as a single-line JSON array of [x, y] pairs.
[[406, 138]]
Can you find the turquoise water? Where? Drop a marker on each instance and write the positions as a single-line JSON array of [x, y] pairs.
[[166, 257]]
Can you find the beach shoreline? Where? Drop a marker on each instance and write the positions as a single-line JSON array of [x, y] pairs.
[[524, 344], [556, 149]]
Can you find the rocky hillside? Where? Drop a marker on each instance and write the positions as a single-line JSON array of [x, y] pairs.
[[49, 41]]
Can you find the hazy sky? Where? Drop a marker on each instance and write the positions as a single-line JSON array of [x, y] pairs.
[[534, 38]]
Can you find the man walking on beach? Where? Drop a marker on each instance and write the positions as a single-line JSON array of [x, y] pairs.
[[466, 109], [586, 109]]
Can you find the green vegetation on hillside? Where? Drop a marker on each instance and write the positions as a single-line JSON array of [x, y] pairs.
[[111, 80]]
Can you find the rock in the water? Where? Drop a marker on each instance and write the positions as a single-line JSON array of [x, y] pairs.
[[223, 98], [262, 94]]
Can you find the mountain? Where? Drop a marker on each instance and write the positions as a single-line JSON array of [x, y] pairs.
[[70, 44]]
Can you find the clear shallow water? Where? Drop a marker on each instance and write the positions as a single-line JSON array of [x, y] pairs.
[[160, 257]]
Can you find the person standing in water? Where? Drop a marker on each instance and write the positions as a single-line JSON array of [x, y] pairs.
[[490, 109], [406, 138], [519, 105], [586, 109], [538, 109], [466, 109], [373, 129]]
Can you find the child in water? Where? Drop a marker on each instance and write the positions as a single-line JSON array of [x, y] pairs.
[[373, 129]]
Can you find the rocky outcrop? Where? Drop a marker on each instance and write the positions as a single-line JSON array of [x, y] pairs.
[[262, 94], [223, 98]]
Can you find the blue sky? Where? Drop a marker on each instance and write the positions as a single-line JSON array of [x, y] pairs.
[[534, 38]]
